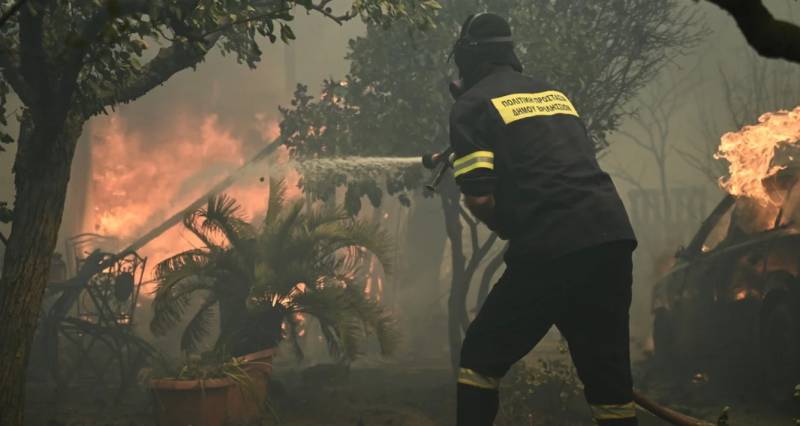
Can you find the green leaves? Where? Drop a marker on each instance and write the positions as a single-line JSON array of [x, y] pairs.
[[347, 316], [286, 33], [222, 217], [395, 101], [302, 260], [107, 39], [383, 13], [199, 326]]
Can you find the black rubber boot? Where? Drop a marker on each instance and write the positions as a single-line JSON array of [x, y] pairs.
[[476, 406]]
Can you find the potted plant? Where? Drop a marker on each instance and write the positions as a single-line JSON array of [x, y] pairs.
[[260, 281], [212, 390]]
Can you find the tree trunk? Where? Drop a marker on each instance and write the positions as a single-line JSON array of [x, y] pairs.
[[459, 286], [42, 169], [486, 279], [665, 198], [420, 295]]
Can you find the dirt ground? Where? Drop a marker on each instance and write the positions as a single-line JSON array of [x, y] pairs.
[[390, 395]]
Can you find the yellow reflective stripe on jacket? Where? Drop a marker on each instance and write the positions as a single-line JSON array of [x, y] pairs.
[[476, 160], [478, 380], [614, 411]]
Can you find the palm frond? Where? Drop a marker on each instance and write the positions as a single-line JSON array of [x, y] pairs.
[[278, 271], [200, 325], [375, 318], [360, 234], [374, 239], [323, 304], [192, 222], [224, 215], [172, 299], [351, 339], [221, 217], [277, 199], [284, 226], [347, 316], [323, 248], [195, 259], [326, 307]]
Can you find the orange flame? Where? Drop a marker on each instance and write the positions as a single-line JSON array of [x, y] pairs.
[[138, 180], [750, 153]]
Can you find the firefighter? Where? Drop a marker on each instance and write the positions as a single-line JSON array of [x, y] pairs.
[[528, 170]]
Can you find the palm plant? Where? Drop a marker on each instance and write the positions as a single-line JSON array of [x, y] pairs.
[[300, 262]]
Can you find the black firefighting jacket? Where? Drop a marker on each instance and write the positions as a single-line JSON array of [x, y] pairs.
[[523, 141]]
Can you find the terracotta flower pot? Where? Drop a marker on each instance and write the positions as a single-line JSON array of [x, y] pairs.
[[215, 402]]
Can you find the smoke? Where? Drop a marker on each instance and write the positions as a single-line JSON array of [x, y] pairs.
[[176, 141], [150, 158]]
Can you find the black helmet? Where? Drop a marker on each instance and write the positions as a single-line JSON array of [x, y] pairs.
[[485, 38], [484, 27]]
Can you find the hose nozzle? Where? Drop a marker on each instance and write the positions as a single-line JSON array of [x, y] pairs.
[[439, 163]]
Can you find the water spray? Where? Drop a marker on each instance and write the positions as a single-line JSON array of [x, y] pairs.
[[364, 167]]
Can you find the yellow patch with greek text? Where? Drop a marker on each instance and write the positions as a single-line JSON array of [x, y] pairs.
[[525, 105]]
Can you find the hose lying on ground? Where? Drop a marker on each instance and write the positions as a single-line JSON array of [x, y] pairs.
[[666, 413]]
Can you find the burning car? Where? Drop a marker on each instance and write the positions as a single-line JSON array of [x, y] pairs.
[[731, 302]]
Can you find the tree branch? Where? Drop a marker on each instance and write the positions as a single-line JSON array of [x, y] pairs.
[[229, 25], [10, 70], [770, 37], [323, 8], [177, 57], [467, 217], [701, 164], [11, 11], [75, 50], [161, 68]]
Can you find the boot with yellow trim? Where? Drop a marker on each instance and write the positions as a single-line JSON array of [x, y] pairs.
[[478, 398], [615, 414]]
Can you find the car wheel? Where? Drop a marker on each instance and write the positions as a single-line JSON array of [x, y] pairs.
[[780, 349], [664, 338]]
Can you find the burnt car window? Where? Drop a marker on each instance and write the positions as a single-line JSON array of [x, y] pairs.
[[751, 217], [742, 219]]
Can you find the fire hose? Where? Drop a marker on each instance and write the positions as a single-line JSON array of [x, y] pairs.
[[440, 163], [665, 413]]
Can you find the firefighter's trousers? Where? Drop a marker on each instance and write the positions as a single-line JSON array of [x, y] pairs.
[[587, 295]]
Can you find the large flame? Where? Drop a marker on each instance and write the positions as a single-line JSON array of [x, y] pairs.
[[751, 151], [138, 180]]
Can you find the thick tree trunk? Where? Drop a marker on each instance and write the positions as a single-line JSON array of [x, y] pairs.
[[459, 286], [423, 253], [42, 169]]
